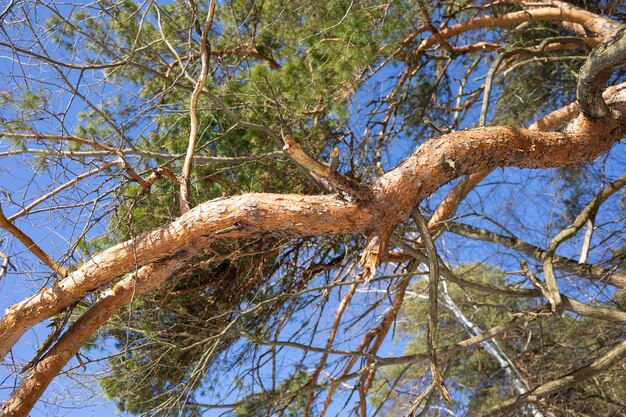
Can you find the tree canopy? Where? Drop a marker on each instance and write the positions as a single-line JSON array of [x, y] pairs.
[[359, 208]]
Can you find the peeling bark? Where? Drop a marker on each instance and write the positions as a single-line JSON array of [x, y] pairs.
[[374, 210], [240, 216], [395, 196]]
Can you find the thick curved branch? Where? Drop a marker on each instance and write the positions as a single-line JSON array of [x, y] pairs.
[[442, 159], [603, 60], [597, 24], [572, 15], [395, 196], [39, 376], [241, 216]]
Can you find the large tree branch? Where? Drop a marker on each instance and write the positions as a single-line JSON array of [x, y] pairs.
[[396, 194], [558, 14], [242, 216], [442, 159], [44, 371], [604, 26]]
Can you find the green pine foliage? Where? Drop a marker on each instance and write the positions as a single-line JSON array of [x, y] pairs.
[[300, 68]]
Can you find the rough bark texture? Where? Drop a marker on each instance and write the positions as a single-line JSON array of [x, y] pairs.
[[376, 210], [39, 376], [240, 216], [604, 59], [396, 194]]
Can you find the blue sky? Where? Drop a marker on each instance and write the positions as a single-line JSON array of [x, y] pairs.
[[54, 233]]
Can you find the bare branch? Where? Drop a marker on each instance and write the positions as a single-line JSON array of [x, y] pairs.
[[31, 245], [609, 276], [205, 52], [596, 367], [590, 210], [433, 294]]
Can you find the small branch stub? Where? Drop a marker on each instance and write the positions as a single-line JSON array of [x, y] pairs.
[[325, 175]]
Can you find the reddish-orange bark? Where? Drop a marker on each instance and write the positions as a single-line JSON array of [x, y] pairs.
[[39, 376], [396, 194], [156, 255], [601, 26]]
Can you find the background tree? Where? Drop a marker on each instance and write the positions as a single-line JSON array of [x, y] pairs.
[[237, 232]]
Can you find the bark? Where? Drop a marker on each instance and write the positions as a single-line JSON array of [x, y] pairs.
[[395, 196], [604, 59], [596, 24], [374, 211], [39, 376], [240, 216], [582, 17]]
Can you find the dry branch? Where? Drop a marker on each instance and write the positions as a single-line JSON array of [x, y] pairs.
[[599, 365], [594, 272], [374, 210], [31, 246], [205, 53]]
